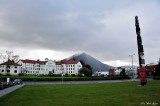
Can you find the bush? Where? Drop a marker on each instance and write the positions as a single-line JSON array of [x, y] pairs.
[[65, 78], [21, 74], [156, 77], [73, 75]]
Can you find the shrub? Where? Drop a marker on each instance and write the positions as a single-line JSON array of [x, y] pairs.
[[21, 74], [156, 77]]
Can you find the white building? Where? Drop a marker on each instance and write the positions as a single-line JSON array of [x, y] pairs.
[[37, 67], [130, 70], [102, 74], [10, 68], [117, 71], [68, 67]]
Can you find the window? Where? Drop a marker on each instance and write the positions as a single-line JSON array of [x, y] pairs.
[[15, 66], [2, 70], [15, 71], [8, 71]]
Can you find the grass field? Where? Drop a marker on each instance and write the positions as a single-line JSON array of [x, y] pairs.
[[99, 94]]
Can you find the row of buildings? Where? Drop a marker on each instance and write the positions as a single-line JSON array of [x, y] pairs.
[[70, 67], [134, 71], [37, 67]]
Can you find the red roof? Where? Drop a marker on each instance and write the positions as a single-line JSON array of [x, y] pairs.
[[66, 62], [10, 62], [33, 61]]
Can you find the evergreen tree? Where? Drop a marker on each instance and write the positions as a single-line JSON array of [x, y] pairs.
[[157, 70], [123, 72], [85, 71], [83, 64], [88, 66]]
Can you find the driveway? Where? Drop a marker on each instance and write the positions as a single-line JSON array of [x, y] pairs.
[[75, 82]]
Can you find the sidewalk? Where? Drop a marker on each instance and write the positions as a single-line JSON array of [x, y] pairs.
[[10, 89]]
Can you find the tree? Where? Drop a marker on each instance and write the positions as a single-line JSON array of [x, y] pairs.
[[157, 70], [85, 71], [83, 64], [123, 72], [88, 66]]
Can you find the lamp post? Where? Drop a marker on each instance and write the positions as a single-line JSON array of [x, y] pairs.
[[132, 63], [62, 77]]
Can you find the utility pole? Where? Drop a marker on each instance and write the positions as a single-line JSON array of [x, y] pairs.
[[132, 62], [143, 80]]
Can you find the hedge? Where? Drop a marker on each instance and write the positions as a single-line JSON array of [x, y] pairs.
[[45, 78], [156, 77]]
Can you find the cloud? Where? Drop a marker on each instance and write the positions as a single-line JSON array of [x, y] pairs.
[[104, 29]]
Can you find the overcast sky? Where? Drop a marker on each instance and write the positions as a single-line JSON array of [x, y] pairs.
[[104, 29]]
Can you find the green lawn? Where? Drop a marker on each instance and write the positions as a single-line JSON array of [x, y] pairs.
[[102, 94]]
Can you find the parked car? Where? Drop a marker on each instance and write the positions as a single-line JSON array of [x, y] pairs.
[[17, 81]]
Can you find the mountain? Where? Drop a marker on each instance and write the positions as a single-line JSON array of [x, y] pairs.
[[94, 63]]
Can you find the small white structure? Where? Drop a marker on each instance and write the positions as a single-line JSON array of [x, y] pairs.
[[117, 71], [10, 68], [104, 74]]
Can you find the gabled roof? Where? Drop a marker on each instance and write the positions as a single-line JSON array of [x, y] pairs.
[[10, 62], [33, 61], [66, 62]]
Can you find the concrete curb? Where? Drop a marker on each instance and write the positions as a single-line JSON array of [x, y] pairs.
[[10, 89]]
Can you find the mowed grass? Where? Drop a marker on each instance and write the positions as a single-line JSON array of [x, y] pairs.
[[98, 94]]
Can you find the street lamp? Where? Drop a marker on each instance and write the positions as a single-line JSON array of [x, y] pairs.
[[132, 63], [62, 77]]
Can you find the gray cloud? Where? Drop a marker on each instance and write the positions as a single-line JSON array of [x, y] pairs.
[[103, 28]]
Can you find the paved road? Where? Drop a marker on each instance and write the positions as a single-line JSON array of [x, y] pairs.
[[10, 89], [75, 82]]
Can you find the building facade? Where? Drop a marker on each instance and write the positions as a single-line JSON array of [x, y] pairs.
[[10, 68], [150, 69], [36, 67], [69, 67]]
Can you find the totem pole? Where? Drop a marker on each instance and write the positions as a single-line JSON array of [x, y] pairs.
[[142, 74]]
